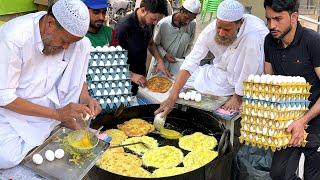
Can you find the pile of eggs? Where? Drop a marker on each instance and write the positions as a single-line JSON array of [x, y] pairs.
[[190, 95], [270, 104], [108, 76], [49, 155]]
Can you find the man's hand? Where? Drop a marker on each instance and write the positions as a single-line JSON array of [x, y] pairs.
[[138, 79], [166, 107], [297, 132], [162, 68], [233, 104], [92, 104], [69, 114], [170, 58]]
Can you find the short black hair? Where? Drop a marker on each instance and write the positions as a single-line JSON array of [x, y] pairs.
[[155, 6], [282, 5]]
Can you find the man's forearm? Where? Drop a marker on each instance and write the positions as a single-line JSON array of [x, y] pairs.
[[84, 92], [154, 51], [312, 113], [181, 80], [24, 107]]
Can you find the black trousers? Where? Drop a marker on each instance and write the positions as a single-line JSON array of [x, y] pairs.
[[285, 162]]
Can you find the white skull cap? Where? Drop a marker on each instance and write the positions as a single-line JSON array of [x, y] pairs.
[[230, 10], [192, 6], [73, 15]]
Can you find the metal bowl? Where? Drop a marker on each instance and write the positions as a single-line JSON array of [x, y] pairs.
[[78, 135]]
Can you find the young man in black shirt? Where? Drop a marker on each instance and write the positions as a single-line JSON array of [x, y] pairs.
[[135, 32], [293, 50]]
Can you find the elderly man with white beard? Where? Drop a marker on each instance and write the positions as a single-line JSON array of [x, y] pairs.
[[43, 65], [236, 41]]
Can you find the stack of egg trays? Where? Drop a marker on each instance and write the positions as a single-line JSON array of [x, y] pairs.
[[267, 111], [108, 79], [293, 88]]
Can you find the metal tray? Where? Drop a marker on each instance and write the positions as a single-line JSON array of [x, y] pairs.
[[62, 168]]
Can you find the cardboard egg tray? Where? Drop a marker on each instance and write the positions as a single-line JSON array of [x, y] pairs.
[[292, 88], [265, 122], [275, 114], [275, 97], [262, 141], [280, 106]]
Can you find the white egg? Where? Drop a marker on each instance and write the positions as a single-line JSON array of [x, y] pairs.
[[95, 56], [87, 117], [251, 78], [187, 96], [103, 78], [120, 84], [112, 48], [101, 63], [96, 78], [99, 48], [115, 100], [112, 92], [263, 78], [93, 49], [101, 101], [123, 76], [193, 95], [105, 92], [117, 77], [124, 70], [126, 91], [122, 99], [256, 79], [119, 92], [197, 97], [49, 155], [123, 56], [104, 70], [181, 95], [122, 62], [111, 70], [119, 48], [98, 93], [90, 71], [113, 85], [97, 71], [118, 70], [114, 63], [116, 56], [108, 63], [106, 85], [109, 56], [108, 101], [37, 159], [128, 98], [103, 56], [94, 63], [105, 48], [59, 153], [110, 78], [127, 83]]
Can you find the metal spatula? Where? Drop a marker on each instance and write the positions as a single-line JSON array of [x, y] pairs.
[[158, 121], [130, 144]]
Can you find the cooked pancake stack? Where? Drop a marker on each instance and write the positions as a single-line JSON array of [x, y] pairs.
[[270, 104]]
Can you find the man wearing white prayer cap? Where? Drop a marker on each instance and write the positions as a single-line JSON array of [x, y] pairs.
[[44, 60], [174, 35], [236, 41]]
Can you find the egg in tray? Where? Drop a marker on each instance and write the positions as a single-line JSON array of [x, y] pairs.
[[270, 104]]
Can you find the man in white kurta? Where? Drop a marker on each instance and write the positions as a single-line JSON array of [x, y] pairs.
[[236, 41], [174, 35], [42, 77]]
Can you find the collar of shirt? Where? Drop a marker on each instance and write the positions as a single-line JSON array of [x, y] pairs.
[[37, 34]]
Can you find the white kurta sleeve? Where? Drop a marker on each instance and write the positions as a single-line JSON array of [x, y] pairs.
[[199, 51], [10, 69], [157, 40], [249, 62]]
